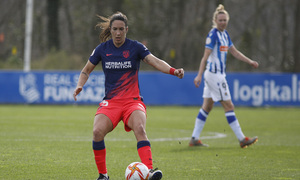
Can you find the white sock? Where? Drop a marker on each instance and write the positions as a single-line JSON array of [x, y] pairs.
[[199, 124], [235, 125]]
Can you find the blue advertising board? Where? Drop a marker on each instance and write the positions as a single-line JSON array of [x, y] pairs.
[[265, 89], [56, 87], [48, 87]]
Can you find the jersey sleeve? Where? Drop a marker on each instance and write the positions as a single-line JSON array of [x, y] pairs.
[[229, 41], [95, 57], [142, 50], [211, 39]]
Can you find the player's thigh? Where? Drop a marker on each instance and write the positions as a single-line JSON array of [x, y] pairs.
[[211, 85], [137, 120], [102, 125], [134, 114]]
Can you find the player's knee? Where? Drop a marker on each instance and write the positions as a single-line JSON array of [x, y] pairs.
[[140, 130], [207, 108], [230, 107], [98, 134]]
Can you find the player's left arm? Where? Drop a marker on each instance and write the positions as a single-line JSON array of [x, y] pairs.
[[163, 66], [240, 56]]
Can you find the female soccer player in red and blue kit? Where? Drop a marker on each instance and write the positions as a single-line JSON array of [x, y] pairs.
[[216, 89], [120, 58]]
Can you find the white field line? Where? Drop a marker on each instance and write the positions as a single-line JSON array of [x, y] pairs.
[[214, 135]]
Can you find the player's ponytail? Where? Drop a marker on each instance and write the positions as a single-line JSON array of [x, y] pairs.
[[105, 33]]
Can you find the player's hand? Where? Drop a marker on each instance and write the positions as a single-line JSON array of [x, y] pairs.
[[76, 92], [197, 81], [254, 64], [179, 73]]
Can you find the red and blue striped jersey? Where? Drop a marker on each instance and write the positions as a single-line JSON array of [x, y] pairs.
[[120, 67]]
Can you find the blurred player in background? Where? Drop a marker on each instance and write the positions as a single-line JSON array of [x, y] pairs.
[[216, 89], [120, 58]]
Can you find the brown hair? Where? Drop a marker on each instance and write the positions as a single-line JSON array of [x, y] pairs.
[[219, 10], [105, 26]]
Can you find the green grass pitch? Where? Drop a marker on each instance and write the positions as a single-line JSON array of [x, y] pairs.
[[54, 142]]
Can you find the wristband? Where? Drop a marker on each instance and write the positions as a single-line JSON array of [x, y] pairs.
[[172, 70]]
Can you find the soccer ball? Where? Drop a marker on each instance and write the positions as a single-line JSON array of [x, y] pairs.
[[137, 171]]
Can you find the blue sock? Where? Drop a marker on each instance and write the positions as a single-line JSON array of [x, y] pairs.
[[98, 145]]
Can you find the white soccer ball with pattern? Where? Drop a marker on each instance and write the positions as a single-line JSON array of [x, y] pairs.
[[137, 171]]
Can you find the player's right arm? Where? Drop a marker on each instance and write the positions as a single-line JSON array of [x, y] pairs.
[[83, 77], [198, 78], [162, 65]]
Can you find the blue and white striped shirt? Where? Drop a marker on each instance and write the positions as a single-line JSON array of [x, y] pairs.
[[219, 42]]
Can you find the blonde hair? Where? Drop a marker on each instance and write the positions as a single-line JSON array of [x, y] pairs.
[[105, 26], [219, 10]]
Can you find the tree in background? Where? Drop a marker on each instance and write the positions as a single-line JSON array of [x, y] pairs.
[[296, 67], [267, 31], [53, 25]]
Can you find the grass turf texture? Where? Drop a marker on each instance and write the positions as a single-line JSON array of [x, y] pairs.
[[54, 142]]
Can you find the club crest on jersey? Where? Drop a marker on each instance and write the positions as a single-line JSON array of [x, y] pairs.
[[126, 54]]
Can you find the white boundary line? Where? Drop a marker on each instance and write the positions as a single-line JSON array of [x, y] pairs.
[[214, 135]]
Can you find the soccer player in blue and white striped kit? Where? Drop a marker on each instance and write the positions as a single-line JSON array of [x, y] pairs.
[[218, 43]]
